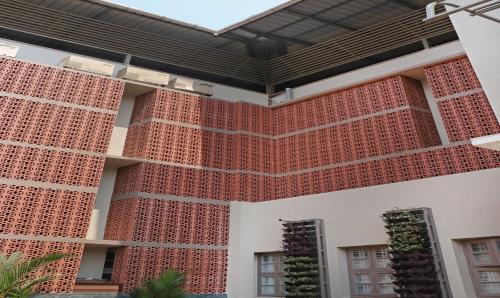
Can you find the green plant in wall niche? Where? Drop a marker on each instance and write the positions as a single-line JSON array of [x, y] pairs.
[[412, 256], [17, 279], [168, 285], [301, 260]]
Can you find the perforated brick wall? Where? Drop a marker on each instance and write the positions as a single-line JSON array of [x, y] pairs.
[[51, 125], [52, 166], [368, 98], [374, 136], [465, 116], [44, 212], [451, 77], [438, 162], [65, 110], [206, 269], [152, 220], [168, 180], [58, 84], [65, 270], [399, 102], [184, 182], [468, 117]]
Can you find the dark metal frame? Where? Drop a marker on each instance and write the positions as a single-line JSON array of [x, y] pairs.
[[348, 51]]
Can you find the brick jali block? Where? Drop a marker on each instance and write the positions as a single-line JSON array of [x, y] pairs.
[[206, 269], [51, 125], [468, 117], [50, 166], [152, 220], [65, 270], [59, 84], [451, 77], [44, 212]]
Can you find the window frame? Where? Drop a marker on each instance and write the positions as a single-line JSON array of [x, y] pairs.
[[278, 274], [372, 271], [475, 268]]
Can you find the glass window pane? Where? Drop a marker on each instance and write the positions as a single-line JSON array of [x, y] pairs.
[[482, 258], [267, 285], [382, 253], [362, 289], [362, 279], [489, 276], [491, 288], [360, 259], [267, 290], [359, 254], [267, 264], [385, 278], [479, 248], [498, 245], [383, 263], [387, 289], [360, 264]]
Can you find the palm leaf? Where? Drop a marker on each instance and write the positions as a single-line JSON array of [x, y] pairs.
[[167, 285], [15, 273]]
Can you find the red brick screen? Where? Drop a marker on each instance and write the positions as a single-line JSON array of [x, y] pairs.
[[65, 110], [152, 220], [64, 270], [206, 269], [465, 116]]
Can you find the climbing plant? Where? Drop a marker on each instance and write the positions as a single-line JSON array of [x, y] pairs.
[[412, 257], [300, 248]]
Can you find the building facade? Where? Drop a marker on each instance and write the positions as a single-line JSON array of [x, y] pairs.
[[132, 179]]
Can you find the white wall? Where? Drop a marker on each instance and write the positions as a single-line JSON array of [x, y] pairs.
[[481, 40], [100, 211], [48, 56], [119, 133], [92, 263], [464, 205]]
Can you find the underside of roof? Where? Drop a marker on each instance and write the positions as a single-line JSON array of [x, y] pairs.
[[295, 43]]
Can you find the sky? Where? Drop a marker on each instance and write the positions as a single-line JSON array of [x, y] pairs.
[[212, 14]]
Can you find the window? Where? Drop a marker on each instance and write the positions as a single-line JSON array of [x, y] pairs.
[[483, 257], [370, 272], [270, 275]]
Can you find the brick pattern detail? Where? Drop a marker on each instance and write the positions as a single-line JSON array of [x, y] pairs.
[[425, 128], [178, 181], [206, 269], [467, 116], [44, 212], [376, 135], [168, 180], [50, 166], [151, 220], [390, 133], [439, 162], [51, 212], [181, 145], [59, 84], [372, 97], [45, 124], [64, 270], [451, 77]]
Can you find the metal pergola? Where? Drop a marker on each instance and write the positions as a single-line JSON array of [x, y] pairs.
[[295, 43]]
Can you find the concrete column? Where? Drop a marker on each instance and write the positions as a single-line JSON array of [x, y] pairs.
[[99, 216], [481, 41]]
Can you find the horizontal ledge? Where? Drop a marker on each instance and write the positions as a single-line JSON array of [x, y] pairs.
[[110, 243], [491, 142]]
